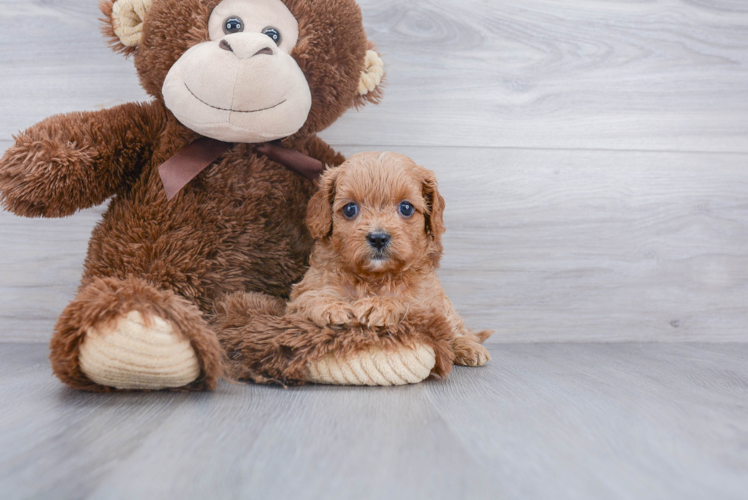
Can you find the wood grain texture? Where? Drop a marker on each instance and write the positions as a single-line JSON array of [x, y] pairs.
[[55, 60], [584, 421], [653, 74], [588, 74]]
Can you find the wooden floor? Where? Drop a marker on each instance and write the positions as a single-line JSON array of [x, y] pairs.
[[583, 421], [594, 159]]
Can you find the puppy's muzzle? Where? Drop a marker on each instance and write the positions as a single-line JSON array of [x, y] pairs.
[[378, 240]]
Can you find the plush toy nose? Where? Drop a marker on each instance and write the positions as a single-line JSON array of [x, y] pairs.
[[246, 45]]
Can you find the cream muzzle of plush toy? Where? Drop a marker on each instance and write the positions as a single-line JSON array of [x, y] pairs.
[[242, 86]]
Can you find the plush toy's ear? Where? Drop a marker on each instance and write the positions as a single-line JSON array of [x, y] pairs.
[[370, 84], [319, 210], [124, 23]]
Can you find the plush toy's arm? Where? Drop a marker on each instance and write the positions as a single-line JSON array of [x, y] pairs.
[[265, 345], [70, 162]]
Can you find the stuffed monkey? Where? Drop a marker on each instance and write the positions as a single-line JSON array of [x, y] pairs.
[[202, 203]]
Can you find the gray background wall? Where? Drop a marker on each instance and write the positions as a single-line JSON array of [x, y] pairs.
[[593, 155]]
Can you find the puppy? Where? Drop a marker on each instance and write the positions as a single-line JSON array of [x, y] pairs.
[[377, 221]]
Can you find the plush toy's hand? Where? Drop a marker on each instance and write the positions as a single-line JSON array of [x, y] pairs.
[[69, 162], [374, 366], [38, 172], [379, 311]]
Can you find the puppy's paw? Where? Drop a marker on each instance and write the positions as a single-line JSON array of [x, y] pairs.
[[333, 314], [378, 311], [469, 353]]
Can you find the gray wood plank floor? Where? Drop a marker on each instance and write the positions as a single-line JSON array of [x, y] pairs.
[[584, 421], [594, 159]]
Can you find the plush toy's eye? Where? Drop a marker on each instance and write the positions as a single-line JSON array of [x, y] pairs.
[[406, 209], [233, 25], [273, 33], [350, 211]]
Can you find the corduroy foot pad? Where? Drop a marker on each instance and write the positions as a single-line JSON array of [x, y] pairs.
[[374, 367], [128, 354]]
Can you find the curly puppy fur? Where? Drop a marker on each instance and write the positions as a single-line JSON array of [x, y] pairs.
[[356, 294], [237, 227], [351, 280]]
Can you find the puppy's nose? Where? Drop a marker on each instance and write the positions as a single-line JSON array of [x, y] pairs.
[[378, 239]]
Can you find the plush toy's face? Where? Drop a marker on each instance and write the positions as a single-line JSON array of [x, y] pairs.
[[242, 85], [249, 70]]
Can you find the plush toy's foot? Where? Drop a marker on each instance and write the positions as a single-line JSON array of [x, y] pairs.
[[132, 353], [129, 335], [374, 366]]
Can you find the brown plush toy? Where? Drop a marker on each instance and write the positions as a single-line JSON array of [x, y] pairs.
[[225, 75]]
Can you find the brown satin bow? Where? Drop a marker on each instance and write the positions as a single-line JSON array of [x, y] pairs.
[[180, 169]]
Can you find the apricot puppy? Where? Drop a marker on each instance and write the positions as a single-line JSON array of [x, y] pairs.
[[377, 221]]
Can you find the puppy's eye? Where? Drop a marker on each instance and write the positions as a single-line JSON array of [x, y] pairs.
[[272, 33], [233, 25], [406, 209], [350, 211]]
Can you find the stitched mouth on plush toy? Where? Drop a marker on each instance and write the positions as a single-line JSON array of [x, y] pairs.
[[229, 109]]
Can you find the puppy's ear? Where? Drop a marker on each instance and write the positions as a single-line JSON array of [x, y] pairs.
[[319, 210], [434, 206]]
